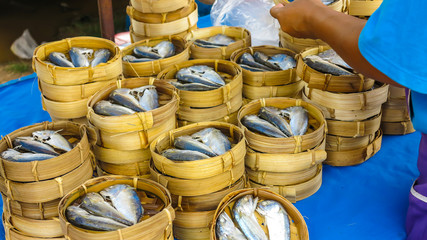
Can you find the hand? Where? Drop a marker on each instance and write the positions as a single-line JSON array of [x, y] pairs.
[[296, 18]]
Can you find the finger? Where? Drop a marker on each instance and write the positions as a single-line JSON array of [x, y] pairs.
[[274, 11]]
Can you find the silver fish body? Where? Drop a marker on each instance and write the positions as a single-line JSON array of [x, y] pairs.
[[189, 143], [53, 138], [133, 59], [276, 219], [225, 229], [298, 119], [125, 200], [214, 139], [80, 56], [183, 155], [200, 74], [95, 204], [100, 56], [107, 108], [254, 123], [248, 59], [263, 59], [218, 40], [192, 86], [328, 2], [274, 118], [244, 214], [145, 52], [162, 50], [250, 68], [81, 218], [332, 57], [148, 97], [283, 61], [123, 97], [31, 145], [16, 156], [60, 59], [206, 44], [324, 66]]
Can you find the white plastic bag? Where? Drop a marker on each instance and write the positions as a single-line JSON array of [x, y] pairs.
[[24, 46], [253, 15]]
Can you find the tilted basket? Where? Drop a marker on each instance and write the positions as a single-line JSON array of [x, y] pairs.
[[159, 6], [298, 44], [397, 128], [362, 7], [241, 35]]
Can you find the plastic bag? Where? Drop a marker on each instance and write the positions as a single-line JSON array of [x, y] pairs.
[[253, 15], [24, 46]]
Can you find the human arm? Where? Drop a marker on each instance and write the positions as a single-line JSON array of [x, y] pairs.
[[209, 2]]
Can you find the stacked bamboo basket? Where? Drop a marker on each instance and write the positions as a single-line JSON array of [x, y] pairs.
[[156, 227], [220, 104], [31, 191], [66, 91], [352, 107], [197, 187], [395, 119], [362, 8], [241, 36], [123, 141], [258, 85], [291, 167], [161, 18]]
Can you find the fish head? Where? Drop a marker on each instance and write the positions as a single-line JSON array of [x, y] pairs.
[[44, 135], [9, 153], [165, 49], [114, 190], [268, 206], [246, 57], [146, 52]]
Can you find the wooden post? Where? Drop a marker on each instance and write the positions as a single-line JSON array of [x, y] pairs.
[[105, 9]]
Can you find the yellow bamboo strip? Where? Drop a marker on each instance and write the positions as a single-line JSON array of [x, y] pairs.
[[397, 128], [191, 233], [298, 44], [159, 6], [396, 92], [136, 37], [64, 110], [49, 228], [354, 128], [11, 233], [362, 7], [231, 118], [194, 219], [289, 90], [129, 169], [38, 211], [339, 143], [395, 111], [285, 178], [162, 17], [114, 156]]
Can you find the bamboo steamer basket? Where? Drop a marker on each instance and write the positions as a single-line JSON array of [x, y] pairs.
[[356, 156], [344, 115], [295, 144], [136, 37], [241, 35], [285, 162], [47, 190], [205, 202], [295, 192], [132, 169], [204, 168], [395, 111], [289, 90], [82, 120], [143, 121], [50, 168], [65, 110], [231, 118], [49, 228], [338, 5], [349, 101], [74, 76], [298, 44], [71, 93], [397, 128], [167, 28], [269, 78], [354, 128], [156, 227], [212, 98], [191, 114], [11, 233], [362, 7], [192, 187], [339, 143], [38, 211], [396, 92], [156, 66], [160, 6], [193, 225], [100, 173], [162, 17], [285, 178], [298, 226], [329, 82], [191, 233]]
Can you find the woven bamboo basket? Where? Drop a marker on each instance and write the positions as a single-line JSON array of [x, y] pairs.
[[204, 168], [354, 128], [296, 144], [154, 67], [151, 228], [160, 6], [167, 28], [162, 17], [289, 90], [298, 44], [329, 82], [231, 118], [73, 76], [136, 37], [49, 228], [82, 120], [285, 162], [187, 187], [338, 5], [191, 114], [40, 211], [269, 78], [189, 223], [285, 178], [132, 169], [349, 101], [397, 128], [50, 168], [191, 233], [356, 156], [344, 115], [204, 99], [298, 226], [295, 192], [73, 92], [100, 173], [362, 7], [395, 110], [47, 190], [65, 110], [11, 233], [143, 121], [338, 143], [396, 92], [241, 35], [205, 202]]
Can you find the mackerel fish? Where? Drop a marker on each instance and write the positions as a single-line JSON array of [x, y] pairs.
[[244, 215], [225, 229], [298, 119], [276, 219], [189, 143], [214, 139], [80, 217], [183, 155], [254, 123], [53, 138], [16, 156], [31, 145], [107, 108]]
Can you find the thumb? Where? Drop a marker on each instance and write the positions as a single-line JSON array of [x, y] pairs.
[[275, 11]]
